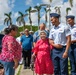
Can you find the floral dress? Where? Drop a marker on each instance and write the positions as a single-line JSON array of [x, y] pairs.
[[43, 61], [11, 49]]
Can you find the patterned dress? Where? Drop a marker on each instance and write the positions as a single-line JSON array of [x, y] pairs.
[[11, 49], [43, 61]]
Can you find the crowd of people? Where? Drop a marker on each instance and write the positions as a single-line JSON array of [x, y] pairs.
[[50, 49]]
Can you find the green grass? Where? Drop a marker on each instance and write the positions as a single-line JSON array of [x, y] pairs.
[[19, 70], [69, 68]]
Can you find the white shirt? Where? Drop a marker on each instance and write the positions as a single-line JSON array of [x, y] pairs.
[[59, 34], [18, 39], [73, 32]]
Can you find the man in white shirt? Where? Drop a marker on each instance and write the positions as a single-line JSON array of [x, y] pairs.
[[18, 40], [72, 51]]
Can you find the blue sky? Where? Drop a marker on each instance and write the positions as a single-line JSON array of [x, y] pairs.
[[21, 5]]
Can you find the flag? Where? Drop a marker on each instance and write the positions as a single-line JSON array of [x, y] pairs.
[[65, 1]]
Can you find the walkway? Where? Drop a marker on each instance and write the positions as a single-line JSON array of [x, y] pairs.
[[26, 72]]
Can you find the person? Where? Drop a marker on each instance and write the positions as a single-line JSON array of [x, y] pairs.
[[11, 50], [60, 39], [18, 40], [36, 36], [31, 33], [72, 51], [43, 61], [26, 42]]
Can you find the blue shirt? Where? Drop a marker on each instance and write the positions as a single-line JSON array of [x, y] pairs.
[[26, 42], [36, 35], [59, 34], [73, 32]]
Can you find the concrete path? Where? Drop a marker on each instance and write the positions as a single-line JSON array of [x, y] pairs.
[[26, 72]]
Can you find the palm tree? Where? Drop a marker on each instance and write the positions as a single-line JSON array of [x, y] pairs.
[[21, 19], [38, 8], [67, 10], [50, 1], [71, 3], [57, 10], [46, 10], [29, 13], [48, 6], [8, 19]]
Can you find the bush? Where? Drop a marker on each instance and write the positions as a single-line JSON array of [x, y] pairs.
[[34, 28]]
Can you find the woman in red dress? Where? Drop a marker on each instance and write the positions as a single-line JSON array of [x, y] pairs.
[[43, 61]]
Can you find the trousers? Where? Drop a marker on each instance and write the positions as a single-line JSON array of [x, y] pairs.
[[8, 67]]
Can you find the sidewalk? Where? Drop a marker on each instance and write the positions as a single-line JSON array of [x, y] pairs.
[[26, 71]]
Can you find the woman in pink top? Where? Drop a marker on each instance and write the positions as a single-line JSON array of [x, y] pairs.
[[43, 61], [11, 50]]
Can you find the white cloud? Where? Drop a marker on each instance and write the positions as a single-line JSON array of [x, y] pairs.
[[53, 3], [63, 8], [15, 15], [63, 12], [28, 2], [5, 7], [56, 2], [43, 18], [11, 3], [34, 18], [46, 1]]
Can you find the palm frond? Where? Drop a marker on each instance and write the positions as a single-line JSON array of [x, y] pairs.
[[10, 13], [29, 9], [32, 11], [45, 9], [25, 15], [50, 1], [35, 6], [18, 18], [38, 8], [6, 14], [71, 3], [5, 20], [67, 9], [21, 13]]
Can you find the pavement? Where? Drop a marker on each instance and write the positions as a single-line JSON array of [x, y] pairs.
[[26, 71], [29, 71]]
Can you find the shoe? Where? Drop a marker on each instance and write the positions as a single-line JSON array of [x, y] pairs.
[[21, 62]]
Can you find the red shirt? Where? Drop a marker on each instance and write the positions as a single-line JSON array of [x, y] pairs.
[[10, 49]]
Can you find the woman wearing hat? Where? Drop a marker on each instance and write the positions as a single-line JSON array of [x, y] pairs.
[[43, 62]]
